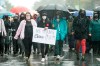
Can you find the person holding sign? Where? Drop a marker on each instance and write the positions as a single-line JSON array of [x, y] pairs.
[[25, 31], [60, 25], [44, 23]]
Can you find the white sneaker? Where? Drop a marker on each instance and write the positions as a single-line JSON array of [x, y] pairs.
[[43, 59], [58, 57], [46, 57]]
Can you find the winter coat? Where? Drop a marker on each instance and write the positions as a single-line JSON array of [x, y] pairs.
[[94, 30], [61, 28], [81, 28], [7, 25], [2, 28], [47, 23], [21, 28]]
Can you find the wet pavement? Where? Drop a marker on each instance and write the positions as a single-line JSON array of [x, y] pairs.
[[68, 59]]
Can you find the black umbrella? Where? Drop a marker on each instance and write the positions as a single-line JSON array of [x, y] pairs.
[[97, 9], [52, 8]]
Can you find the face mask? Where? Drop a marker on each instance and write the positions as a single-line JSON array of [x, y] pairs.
[[82, 14], [58, 16], [44, 17], [58, 20], [96, 17]]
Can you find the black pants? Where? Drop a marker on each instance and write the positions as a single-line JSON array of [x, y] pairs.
[[58, 47], [15, 46], [27, 44], [44, 49], [21, 46], [1, 45], [96, 46], [7, 44], [36, 46], [7, 48], [71, 41]]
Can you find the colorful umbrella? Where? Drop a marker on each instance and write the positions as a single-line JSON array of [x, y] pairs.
[[1, 8], [4, 12], [19, 9]]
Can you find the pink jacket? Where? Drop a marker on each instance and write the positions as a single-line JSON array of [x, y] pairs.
[[2, 28], [21, 28]]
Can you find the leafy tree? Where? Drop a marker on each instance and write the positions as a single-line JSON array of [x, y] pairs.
[[45, 2], [8, 5]]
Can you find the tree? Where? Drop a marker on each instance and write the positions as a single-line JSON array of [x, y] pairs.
[[46, 2], [8, 5]]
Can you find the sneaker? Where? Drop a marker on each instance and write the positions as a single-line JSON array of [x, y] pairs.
[[46, 57], [34, 52], [40, 54], [43, 59], [58, 57]]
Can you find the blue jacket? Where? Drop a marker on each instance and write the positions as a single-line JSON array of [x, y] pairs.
[[61, 27]]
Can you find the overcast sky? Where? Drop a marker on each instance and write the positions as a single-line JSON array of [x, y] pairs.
[[26, 3]]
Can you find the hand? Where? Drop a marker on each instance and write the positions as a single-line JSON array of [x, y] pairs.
[[45, 28], [15, 37], [72, 33], [90, 35], [53, 25]]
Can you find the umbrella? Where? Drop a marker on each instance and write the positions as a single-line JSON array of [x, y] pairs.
[[4, 12], [97, 8], [1, 8], [19, 9], [52, 8], [88, 13]]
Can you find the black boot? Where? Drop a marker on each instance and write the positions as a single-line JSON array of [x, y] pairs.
[[77, 56]]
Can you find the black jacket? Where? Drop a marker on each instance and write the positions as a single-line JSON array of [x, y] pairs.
[[46, 24], [81, 28]]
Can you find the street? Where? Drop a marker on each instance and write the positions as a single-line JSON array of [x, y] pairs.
[[68, 59]]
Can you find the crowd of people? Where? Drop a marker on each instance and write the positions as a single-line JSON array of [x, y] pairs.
[[80, 32]]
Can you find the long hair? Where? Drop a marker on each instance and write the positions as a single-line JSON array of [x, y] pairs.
[[22, 18], [28, 13]]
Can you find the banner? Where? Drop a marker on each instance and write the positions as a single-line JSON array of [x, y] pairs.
[[40, 35]]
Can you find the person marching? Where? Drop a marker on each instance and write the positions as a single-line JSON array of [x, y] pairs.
[[2, 34], [94, 30], [14, 26], [25, 30], [60, 25], [80, 32], [44, 23]]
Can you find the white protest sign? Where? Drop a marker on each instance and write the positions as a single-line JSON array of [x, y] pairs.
[[44, 36]]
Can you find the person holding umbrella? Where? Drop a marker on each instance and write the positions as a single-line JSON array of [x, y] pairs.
[[60, 25], [46, 24]]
